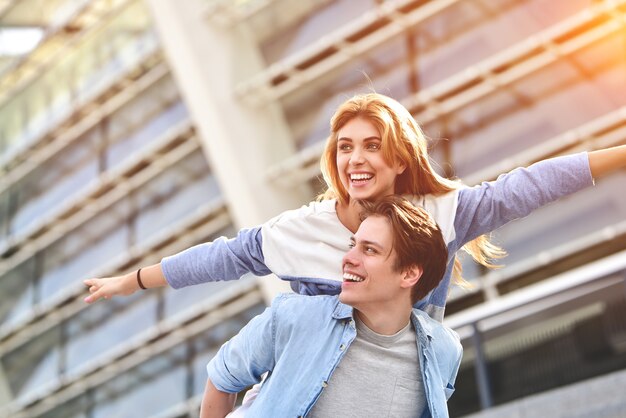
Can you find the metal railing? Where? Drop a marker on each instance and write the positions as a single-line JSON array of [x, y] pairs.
[[384, 22], [155, 341], [111, 187]]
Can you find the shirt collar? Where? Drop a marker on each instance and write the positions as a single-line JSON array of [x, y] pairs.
[[342, 311], [420, 318], [424, 322]]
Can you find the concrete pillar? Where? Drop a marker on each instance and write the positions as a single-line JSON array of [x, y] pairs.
[[240, 142]]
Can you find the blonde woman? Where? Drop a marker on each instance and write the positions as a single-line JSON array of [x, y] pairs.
[[375, 149]]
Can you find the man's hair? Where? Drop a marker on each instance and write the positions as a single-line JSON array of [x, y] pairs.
[[417, 240]]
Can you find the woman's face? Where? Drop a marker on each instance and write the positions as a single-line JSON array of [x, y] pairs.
[[363, 171]]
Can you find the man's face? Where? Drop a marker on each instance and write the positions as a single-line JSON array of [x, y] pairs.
[[369, 279]]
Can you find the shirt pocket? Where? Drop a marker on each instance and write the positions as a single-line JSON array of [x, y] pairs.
[[408, 400]]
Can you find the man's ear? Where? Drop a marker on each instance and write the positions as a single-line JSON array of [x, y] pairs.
[[411, 276]]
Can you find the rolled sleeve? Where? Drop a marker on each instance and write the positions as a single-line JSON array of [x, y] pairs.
[[241, 361]]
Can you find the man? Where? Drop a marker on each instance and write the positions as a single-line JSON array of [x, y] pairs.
[[354, 354]]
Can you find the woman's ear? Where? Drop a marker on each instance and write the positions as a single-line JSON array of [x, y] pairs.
[[400, 168], [411, 276]]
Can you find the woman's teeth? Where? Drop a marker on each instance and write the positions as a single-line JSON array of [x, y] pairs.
[[360, 177]]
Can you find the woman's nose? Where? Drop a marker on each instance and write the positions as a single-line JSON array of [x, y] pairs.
[[357, 157]]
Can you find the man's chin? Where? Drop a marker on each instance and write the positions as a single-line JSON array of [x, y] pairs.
[[345, 298]]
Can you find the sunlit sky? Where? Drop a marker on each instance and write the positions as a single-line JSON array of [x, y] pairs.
[[18, 41]]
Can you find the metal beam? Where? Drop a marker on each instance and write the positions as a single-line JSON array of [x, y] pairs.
[[112, 186], [488, 282], [204, 222], [605, 131], [386, 21], [153, 342], [513, 64], [463, 321], [56, 41], [19, 161]]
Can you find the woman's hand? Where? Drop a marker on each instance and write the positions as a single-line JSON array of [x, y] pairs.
[[107, 287]]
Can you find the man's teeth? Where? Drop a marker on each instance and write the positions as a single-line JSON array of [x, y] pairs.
[[360, 176], [352, 278]]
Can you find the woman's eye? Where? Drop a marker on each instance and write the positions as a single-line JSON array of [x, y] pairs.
[[344, 147], [373, 146], [370, 250], [351, 245]]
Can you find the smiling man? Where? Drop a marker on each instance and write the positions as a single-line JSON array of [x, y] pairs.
[[364, 353]]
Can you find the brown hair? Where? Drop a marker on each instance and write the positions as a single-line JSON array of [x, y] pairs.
[[417, 241], [402, 141]]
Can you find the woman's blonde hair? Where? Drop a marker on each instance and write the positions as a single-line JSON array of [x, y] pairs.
[[402, 142]]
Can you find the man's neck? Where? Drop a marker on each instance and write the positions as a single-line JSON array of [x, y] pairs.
[[384, 321]]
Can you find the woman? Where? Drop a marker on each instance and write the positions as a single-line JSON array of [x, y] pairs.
[[375, 149]]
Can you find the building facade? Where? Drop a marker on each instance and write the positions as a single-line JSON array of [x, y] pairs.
[[135, 129]]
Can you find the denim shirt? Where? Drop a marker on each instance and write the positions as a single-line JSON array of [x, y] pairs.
[[300, 340]]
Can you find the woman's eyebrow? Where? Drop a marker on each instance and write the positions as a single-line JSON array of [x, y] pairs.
[[369, 138]]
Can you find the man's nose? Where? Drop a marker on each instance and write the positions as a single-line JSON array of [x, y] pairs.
[[350, 258]]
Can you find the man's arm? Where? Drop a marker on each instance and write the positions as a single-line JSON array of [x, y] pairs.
[[239, 363], [215, 403]]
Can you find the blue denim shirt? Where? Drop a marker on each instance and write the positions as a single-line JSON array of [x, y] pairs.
[[300, 340]]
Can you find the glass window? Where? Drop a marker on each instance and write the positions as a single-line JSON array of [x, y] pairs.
[[33, 365], [94, 332]]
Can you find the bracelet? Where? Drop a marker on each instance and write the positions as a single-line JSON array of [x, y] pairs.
[[139, 280]]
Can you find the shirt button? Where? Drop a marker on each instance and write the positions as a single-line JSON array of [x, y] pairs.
[[342, 347], [324, 384]]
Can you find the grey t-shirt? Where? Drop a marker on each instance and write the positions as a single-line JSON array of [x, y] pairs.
[[379, 376]]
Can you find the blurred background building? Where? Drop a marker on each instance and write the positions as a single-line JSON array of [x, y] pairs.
[[130, 130]]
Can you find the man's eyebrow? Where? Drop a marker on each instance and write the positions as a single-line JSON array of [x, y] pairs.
[[366, 242], [374, 243]]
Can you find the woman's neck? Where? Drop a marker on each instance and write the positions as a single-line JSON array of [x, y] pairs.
[[349, 215]]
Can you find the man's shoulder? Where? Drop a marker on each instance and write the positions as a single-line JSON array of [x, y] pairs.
[[442, 335], [292, 303]]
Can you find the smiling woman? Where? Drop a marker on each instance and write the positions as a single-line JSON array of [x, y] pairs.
[[375, 148]]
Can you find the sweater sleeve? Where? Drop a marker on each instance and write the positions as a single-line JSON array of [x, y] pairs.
[[222, 259], [486, 207]]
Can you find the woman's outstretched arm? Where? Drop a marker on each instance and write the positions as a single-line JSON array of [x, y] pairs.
[[606, 161], [105, 288], [222, 259]]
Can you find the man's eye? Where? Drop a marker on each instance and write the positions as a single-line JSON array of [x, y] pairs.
[[351, 245], [370, 250]]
